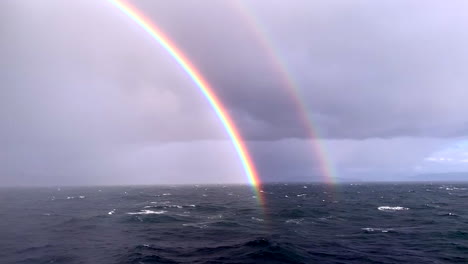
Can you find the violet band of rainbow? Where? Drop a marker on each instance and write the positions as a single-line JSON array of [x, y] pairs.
[[202, 85]]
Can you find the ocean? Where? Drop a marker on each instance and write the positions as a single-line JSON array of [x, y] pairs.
[[291, 223]]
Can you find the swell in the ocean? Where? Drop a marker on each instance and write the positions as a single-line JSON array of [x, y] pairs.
[[301, 223]]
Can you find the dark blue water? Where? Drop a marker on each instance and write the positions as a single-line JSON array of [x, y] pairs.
[[306, 223]]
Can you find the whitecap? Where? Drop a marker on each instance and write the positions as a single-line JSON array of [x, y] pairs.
[[166, 194], [325, 218], [111, 212], [257, 219], [70, 197], [294, 221], [391, 208], [377, 229], [165, 206], [215, 216], [301, 195], [81, 196], [145, 212], [163, 202]]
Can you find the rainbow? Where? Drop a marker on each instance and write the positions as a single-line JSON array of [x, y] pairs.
[[202, 85], [325, 165]]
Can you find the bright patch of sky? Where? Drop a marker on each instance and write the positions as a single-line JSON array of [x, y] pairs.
[[453, 157]]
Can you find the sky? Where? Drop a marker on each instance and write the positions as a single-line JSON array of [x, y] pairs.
[[86, 97]]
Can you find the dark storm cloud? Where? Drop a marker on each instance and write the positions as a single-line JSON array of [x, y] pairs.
[[86, 97], [364, 69]]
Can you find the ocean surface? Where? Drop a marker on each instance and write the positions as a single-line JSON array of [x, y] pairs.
[[291, 223]]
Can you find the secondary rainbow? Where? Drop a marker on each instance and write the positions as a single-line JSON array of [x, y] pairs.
[[326, 166], [202, 85]]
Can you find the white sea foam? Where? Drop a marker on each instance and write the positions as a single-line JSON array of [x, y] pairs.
[[257, 219], [215, 216], [166, 206], [301, 195], [166, 194], [146, 212], [377, 229], [325, 218], [111, 212], [163, 202], [294, 221], [81, 196], [392, 208], [70, 197]]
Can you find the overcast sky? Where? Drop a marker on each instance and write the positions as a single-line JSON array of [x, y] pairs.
[[86, 97]]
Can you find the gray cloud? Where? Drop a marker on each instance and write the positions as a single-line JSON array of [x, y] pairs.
[[364, 69], [87, 97]]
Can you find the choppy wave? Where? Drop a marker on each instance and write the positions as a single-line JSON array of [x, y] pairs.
[[147, 212], [140, 225], [294, 221], [392, 208], [377, 229]]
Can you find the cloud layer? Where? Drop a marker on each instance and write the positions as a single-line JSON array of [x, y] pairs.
[[85, 92]]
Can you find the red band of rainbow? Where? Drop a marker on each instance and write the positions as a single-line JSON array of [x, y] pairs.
[[202, 85]]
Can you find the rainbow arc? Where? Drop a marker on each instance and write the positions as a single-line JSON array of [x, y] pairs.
[[200, 82]]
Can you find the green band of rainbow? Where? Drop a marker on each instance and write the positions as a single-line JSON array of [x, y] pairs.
[[202, 85], [325, 165]]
